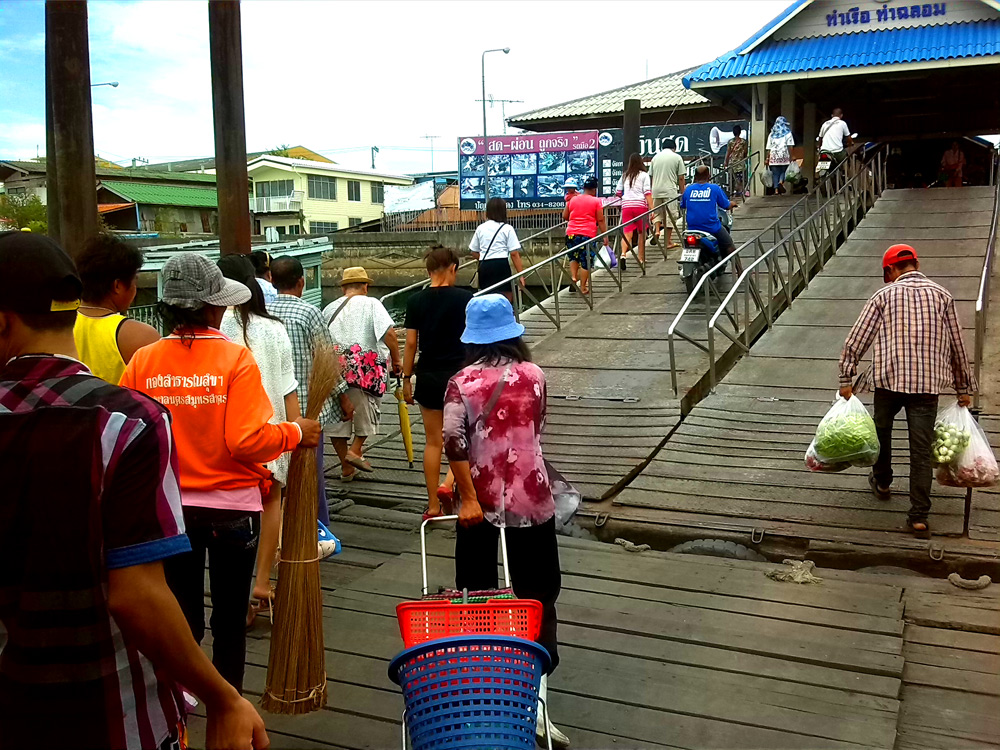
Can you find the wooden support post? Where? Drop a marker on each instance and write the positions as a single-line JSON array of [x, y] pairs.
[[630, 129], [809, 133], [759, 128], [226, 47], [71, 183], [788, 104]]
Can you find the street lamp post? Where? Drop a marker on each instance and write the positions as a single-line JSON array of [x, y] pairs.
[[112, 84], [486, 160]]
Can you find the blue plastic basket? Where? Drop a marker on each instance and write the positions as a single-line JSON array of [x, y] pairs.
[[471, 692]]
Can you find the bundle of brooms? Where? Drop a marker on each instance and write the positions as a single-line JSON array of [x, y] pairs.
[[296, 667]]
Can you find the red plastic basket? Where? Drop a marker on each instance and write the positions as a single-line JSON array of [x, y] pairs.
[[429, 620]]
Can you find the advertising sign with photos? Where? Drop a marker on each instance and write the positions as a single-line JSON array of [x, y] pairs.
[[528, 171]]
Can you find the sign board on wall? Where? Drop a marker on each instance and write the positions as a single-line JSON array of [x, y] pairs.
[[528, 171], [692, 142], [829, 17]]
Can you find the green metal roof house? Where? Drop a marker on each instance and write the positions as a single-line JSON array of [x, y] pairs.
[[151, 207]]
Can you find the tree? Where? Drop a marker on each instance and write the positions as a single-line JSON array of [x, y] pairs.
[[282, 150], [22, 210]]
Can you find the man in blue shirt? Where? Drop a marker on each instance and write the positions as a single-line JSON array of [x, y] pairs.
[[702, 200]]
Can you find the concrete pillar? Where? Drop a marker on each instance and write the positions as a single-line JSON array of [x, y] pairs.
[[810, 129], [759, 128], [630, 129], [788, 104], [226, 48], [71, 184]]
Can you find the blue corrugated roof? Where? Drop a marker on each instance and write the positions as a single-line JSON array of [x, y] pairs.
[[858, 50]]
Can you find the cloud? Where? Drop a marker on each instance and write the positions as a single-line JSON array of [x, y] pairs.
[[349, 75]]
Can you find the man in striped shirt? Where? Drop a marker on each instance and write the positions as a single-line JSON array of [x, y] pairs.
[[96, 645], [918, 354]]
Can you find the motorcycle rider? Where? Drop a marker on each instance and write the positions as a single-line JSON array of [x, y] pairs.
[[835, 137], [702, 200]]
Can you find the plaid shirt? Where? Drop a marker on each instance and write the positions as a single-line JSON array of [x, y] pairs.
[[918, 341], [90, 485], [306, 329]]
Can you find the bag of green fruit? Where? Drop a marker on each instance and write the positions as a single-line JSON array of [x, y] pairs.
[[845, 437], [962, 451]]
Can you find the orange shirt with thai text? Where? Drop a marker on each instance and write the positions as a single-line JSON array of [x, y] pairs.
[[220, 410]]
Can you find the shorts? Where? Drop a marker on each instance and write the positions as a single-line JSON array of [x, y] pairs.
[[666, 211], [584, 250], [632, 224], [430, 388], [367, 416]]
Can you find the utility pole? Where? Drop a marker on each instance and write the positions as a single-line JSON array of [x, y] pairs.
[[71, 180], [225, 43], [431, 139], [503, 108], [374, 151]]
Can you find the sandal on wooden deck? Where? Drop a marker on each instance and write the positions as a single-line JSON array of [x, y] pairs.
[[920, 528]]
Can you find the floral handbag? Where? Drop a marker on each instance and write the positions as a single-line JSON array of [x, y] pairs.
[[361, 368], [364, 369]]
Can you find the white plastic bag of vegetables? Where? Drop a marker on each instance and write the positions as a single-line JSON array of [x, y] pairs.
[[845, 437], [962, 451]]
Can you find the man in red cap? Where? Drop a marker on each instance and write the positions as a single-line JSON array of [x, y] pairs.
[[918, 354]]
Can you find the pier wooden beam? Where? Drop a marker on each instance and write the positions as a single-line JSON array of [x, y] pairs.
[[71, 182], [226, 46]]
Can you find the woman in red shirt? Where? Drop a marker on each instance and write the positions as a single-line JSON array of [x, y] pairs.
[[585, 214]]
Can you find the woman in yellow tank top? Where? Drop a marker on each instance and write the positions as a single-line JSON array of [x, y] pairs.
[[105, 338]]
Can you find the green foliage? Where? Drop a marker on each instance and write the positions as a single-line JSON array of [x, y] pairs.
[[23, 210], [846, 436], [282, 150]]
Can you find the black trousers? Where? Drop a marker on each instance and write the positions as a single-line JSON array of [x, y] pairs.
[[921, 409], [229, 538], [533, 557]]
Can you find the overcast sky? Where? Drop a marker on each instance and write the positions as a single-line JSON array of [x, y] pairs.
[[339, 77]]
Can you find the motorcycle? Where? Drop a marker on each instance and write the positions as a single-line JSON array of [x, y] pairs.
[[700, 252], [825, 162]]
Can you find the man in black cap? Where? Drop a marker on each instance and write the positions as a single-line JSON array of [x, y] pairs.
[[96, 644]]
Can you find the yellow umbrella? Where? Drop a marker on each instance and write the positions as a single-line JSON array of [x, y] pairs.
[[404, 422]]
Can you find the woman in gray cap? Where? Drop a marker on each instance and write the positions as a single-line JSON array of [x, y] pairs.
[[220, 416]]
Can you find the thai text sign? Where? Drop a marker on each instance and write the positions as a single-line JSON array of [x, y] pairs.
[[528, 170], [887, 13]]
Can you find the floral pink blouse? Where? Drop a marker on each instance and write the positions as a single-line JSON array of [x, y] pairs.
[[504, 451]]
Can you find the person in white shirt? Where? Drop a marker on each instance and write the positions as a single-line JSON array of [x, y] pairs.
[[636, 191], [667, 173], [496, 246], [835, 137]]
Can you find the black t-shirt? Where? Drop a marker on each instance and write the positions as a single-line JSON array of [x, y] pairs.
[[437, 313]]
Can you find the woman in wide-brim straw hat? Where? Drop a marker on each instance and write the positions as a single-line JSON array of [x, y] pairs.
[[494, 412], [365, 336]]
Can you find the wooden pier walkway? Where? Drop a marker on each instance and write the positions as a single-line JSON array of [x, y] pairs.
[[673, 651], [736, 460]]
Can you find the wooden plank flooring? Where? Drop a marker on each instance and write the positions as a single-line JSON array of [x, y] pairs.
[[663, 650], [738, 455]]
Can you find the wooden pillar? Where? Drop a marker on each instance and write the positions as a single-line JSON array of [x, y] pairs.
[[71, 183], [630, 129], [759, 128], [788, 104], [810, 129], [226, 47]]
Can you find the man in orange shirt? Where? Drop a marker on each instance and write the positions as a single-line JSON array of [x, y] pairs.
[[220, 410]]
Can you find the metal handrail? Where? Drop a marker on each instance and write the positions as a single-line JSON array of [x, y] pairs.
[[983, 298], [556, 260], [466, 264], [803, 233], [773, 228]]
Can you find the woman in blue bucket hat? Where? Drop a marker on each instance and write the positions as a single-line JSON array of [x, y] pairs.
[[494, 412]]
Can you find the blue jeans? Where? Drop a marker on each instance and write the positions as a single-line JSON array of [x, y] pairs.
[[778, 173]]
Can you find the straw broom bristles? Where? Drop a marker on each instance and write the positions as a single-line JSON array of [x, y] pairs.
[[296, 667]]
